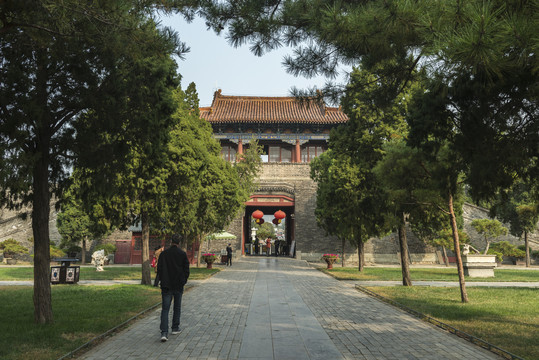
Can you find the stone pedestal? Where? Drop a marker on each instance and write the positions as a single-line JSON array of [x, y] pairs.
[[476, 265]]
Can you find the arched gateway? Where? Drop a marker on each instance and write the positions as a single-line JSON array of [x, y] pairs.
[[291, 134]]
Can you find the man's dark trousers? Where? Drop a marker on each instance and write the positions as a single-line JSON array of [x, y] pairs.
[[167, 297]]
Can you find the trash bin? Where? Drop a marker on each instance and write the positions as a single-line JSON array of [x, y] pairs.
[[224, 257], [65, 274]]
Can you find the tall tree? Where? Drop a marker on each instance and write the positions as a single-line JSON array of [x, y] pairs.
[[329, 212], [518, 207], [62, 63], [345, 178], [205, 191], [407, 177], [77, 223], [490, 229]]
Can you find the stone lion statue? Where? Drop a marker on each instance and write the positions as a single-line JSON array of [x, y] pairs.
[[466, 249], [98, 259]]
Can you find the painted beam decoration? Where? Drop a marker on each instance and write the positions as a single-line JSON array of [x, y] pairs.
[[260, 136]]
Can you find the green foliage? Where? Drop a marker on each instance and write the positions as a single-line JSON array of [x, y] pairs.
[[480, 59], [490, 229], [351, 203], [12, 247], [56, 252], [109, 248], [445, 238], [518, 207], [507, 249], [82, 84], [74, 223], [206, 192], [499, 255], [266, 230]]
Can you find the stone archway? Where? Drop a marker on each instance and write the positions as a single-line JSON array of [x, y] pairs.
[[269, 198]]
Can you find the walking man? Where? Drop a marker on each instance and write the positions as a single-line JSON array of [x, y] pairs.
[[228, 255], [172, 272]]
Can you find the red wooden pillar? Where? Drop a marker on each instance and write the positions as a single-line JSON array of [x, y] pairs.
[[298, 151], [243, 231], [240, 147]]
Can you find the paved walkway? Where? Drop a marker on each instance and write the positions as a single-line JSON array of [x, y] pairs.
[[280, 308]]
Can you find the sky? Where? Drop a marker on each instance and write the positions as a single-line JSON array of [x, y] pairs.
[[214, 64]]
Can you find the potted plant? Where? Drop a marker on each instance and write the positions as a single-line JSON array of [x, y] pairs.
[[330, 259], [12, 248], [209, 258]]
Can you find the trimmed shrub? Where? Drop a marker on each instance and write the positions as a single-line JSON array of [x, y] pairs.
[[109, 248]]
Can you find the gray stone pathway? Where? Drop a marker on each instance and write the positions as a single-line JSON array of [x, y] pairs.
[[280, 308]]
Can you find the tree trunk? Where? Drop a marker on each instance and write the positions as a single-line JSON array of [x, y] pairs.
[[40, 228], [199, 254], [343, 243], [83, 251], [360, 252], [146, 270], [41, 205], [488, 246], [446, 260], [527, 245], [406, 279], [463, 293]]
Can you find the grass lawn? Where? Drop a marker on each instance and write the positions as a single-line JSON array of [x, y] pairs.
[[78, 317], [505, 317], [432, 274], [110, 273], [78, 310]]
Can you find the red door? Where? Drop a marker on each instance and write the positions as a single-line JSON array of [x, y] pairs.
[[123, 252]]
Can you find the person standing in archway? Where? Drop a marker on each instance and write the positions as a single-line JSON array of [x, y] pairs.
[[268, 246], [228, 255]]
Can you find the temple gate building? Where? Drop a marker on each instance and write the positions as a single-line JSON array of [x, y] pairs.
[[291, 135]]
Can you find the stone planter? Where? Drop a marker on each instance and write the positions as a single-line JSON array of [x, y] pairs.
[[330, 262], [476, 265], [209, 264], [10, 261]]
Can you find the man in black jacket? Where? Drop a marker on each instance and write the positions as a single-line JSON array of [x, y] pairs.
[[172, 272]]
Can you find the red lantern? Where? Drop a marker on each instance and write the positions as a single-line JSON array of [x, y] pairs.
[[258, 214], [275, 221], [260, 221], [279, 214]]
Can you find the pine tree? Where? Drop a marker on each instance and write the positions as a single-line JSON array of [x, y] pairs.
[[72, 94]]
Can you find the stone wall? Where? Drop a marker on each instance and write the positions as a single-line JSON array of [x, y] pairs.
[[472, 212], [17, 224], [311, 241]]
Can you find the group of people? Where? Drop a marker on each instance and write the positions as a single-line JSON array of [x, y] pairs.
[[172, 271], [280, 247]]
